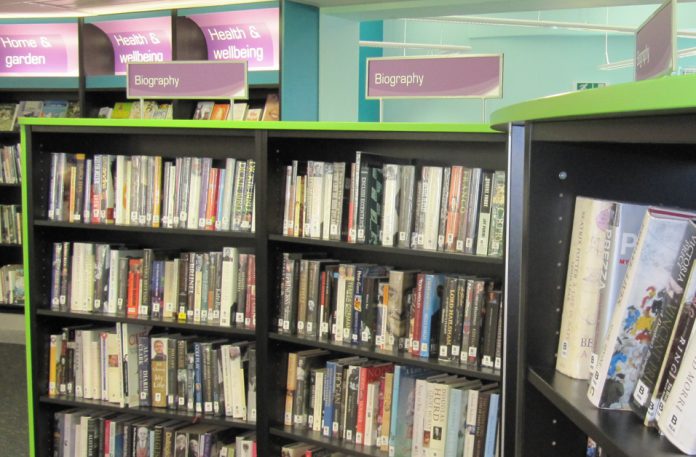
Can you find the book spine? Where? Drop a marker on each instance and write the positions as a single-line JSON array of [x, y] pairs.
[[444, 202], [239, 202], [56, 268], [286, 200], [390, 205], [496, 243], [484, 219], [475, 335], [246, 222], [204, 197], [415, 326], [374, 206], [363, 174], [473, 211], [313, 298], [447, 319]]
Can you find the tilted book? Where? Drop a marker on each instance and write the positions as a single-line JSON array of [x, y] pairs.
[[640, 301]]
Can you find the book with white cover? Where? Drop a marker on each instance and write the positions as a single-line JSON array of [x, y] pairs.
[[390, 205], [591, 224], [647, 279]]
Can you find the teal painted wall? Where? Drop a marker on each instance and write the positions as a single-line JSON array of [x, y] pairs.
[[300, 63], [338, 70], [368, 110]]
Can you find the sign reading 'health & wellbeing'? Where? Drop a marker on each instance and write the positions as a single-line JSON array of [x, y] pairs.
[[475, 76], [655, 44], [147, 39], [188, 80], [39, 49], [250, 35]]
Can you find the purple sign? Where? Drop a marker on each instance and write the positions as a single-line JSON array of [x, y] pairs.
[[181, 80], [147, 39], [250, 35], [39, 49], [478, 76], [655, 44]]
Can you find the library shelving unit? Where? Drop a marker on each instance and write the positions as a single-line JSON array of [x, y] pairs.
[[273, 145], [10, 194], [629, 142]]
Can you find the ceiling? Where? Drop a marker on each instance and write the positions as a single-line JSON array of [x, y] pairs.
[[357, 9]]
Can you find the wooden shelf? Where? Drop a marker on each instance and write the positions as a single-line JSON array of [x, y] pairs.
[[150, 230], [98, 317], [148, 411], [400, 358], [311, 437], [474, 259], [619, 433]]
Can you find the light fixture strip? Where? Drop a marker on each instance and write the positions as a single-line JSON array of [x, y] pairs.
[[399, 45]]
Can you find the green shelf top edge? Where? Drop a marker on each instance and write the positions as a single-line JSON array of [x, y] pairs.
[[669, 93], [253, 125]]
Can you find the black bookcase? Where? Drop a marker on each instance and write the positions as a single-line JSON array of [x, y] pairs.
[[10, 194], [647, 159], [272, 148]]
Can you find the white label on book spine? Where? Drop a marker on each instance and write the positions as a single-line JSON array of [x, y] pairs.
[[247, 321], [239, 318], [443, 351], [280, 323], [310, 326], [143, 310], [288, 418], [379, 340], [498, 363], [402, 236], [158, 396], [424, 347], [333, 329], [286, 325], [472, 351], [415, 345], [455, 350], [142, 220], [143, 395], [208, 407], [325, 430], [334, 230], [182, 401], [204, 314], [365, 336], [155, 307], [216, 314], [346, 334], [324, 327], [392, 340], [486, 361], [300, 325], [641, 393]]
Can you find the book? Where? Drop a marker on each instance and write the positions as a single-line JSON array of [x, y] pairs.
[[641, 298], [254, 114], [8, 116], [271, 110], [54, 108]]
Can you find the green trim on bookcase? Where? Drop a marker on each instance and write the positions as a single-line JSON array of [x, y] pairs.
[[673, 93], [27, 295], [39, 83], [126, 16], [225, 8], [39, 20], [253, 125]]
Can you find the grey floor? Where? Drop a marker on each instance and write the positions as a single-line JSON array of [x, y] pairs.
[[13, 401]]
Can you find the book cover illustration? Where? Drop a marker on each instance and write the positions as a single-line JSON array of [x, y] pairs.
[[644, 292]]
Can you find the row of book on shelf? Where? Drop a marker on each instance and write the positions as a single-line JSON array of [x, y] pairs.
[[148, 191], [451, 317], [211, 288], [127, 366], [79, 432], [629, 311], [10, 112], [11, 170], [451, 209], [407, 411], [205, 110], [11, 285], [239, 111], [10, 224]]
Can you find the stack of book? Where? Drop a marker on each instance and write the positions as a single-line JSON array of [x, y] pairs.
[[11, 170], [641, 310], [147, 191], [87, 432], [10, 224], [451, 209], [211, 288], [407, 411], [11, 285], [10, 112], [133, 110], [126, 366], [454, 318]]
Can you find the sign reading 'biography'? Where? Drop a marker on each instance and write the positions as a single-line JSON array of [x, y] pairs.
[[250, 35], [146, 39], [475, 76], [39, 49], [188, 80]]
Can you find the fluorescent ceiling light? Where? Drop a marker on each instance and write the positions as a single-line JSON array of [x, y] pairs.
[[686, 52], [399, 45], [580, 26]]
